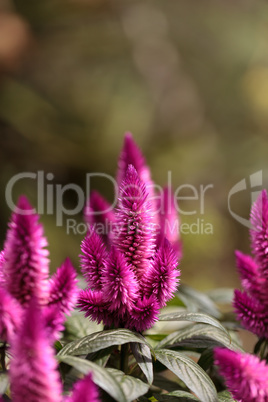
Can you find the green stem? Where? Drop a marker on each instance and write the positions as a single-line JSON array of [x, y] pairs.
[[124, 358]]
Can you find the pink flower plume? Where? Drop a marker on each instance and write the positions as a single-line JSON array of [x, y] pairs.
[[33, 367], [84, 391], [26, 264], [63, 289], [245, 375]]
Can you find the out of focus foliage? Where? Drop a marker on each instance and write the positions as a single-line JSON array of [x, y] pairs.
[[189, 79]]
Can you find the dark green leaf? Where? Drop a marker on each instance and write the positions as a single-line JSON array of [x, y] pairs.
[[194, 317], [78, 326], [164, 383], [190, 373], [142, 354], [177, 395], [100, 340], [225, 396], [221, 295], [206, 359], [198, 336], [102, 377], [132, 387], [197, 301]]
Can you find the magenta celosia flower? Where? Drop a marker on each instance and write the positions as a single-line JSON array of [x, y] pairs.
[[251, 306], [120, 286], [251, 313], [161, 279], [26, 264], [94, 306], [24, 268], [10, 315], [33, 367], [135, 274], [2, 260], [84, 391], [93, 259], [132, 155], [144, 313], [169, 224], [245, 375], [99, 214], [63, 291], [135, 231], [259, 239]]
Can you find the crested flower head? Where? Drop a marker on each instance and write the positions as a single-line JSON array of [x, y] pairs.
[[135, 274], [120, 287], [33, 367], [245, 375], [26, 264], [251, 306], [2, 260], [93, 259], [259, 231], [252, 314], [63, 291], [10, 315], [162, 276], [84, 390], [135, 236]]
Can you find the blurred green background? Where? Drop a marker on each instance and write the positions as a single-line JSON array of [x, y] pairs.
[[188, 78]]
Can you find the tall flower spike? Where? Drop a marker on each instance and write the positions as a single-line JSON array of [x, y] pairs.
[[120, 287], [132, 155], [246, 376], [2, 260], [251, 279], [252, 314], [135, 236], [94, 306], [63, 289], [93, 259], [33, 367], [169, 220], [10, 315], [99, 214], [84, 391], [259, 232], [162, 278], [26, 264]]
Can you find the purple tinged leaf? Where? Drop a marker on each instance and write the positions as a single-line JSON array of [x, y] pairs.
[[26, 264], [135, 231], [161, 280], [33, 367], [93, 259], [63, 291], [246, 376], [252, 314], [10, 315], [84, 391], [120, 287]]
